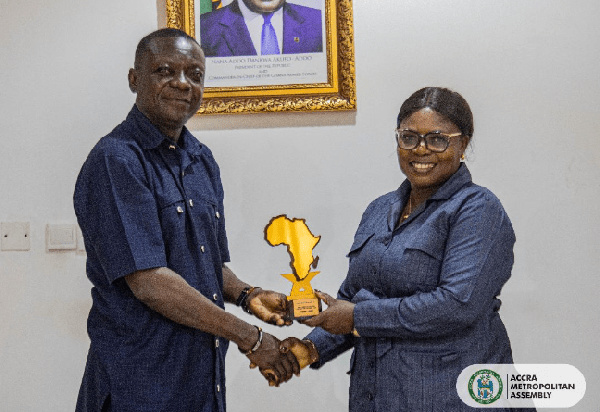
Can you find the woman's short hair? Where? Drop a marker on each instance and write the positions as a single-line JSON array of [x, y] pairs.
[[444, 101]]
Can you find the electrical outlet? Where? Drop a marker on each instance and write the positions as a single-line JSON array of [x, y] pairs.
[[15, 236]]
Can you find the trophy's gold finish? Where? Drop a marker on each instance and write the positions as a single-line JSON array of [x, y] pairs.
[[302, 301]]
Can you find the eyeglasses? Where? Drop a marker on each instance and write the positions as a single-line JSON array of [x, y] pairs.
[[434, 141]]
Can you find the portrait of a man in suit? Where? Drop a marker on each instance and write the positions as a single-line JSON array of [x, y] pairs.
[[261, 27]]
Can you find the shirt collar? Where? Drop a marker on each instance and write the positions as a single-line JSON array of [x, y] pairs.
[[250, 15], [246, 12], [149, 137], [459, 179]]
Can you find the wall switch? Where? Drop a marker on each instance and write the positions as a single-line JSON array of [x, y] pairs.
[[61, 237], [15, 236]]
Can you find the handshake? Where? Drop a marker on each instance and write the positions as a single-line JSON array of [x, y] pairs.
[[279, 360]]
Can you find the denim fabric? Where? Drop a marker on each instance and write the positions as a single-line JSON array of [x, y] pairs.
[[143, 201], [426, 297]]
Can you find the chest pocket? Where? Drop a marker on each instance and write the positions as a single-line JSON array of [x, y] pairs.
[[174, 211], [360, 239], [205, 214], [170, 204], [422, 258], [173, 223]]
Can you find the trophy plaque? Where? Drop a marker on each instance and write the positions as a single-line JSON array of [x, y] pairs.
[[302, 301]]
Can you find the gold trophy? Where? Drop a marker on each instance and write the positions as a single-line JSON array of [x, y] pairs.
[[302, 301]]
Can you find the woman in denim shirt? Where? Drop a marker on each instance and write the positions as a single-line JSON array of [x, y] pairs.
[[428, 261]]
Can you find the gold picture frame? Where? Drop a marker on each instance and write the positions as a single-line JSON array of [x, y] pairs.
[[336, 92]]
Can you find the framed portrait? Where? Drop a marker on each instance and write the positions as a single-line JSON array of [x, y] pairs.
[[299, 58]]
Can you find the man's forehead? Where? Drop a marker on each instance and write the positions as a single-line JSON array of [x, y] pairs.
[[166, 46]]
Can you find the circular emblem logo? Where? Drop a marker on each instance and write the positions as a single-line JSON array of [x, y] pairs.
[[485, 386]]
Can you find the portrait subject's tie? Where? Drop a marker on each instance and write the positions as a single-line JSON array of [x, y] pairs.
[[269, 38]]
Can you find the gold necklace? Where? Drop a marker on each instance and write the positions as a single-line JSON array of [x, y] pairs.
[[409, 209]]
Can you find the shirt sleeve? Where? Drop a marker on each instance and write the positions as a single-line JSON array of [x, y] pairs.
[[117, 212], [477, 261]]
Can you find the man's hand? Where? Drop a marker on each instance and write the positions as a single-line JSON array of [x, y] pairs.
[[276, 365], [269, 306], [338, 318]]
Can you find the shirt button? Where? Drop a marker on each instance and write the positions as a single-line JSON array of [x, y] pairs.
[[218, 215], [215, 296], [179, 209], [182, 174], [172, 146], [202, 248], [218, 388], [370, 396], [191, 203], [216, 343]]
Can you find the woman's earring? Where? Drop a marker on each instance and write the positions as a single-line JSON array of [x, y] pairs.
[[462, 157]]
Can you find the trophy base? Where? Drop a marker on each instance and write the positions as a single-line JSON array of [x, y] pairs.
[[303, 309]]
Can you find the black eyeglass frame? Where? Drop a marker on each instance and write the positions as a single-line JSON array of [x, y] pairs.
[[424, 138]]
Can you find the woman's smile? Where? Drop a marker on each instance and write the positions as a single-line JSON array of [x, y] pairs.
[[422, 167]]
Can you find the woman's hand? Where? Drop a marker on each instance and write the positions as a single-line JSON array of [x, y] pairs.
[[304, 350], [338, 318]]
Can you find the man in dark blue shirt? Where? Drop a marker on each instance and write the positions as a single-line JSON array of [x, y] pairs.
[[149, 202]]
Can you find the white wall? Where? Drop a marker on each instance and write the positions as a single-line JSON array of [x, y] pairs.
[[528, 69]]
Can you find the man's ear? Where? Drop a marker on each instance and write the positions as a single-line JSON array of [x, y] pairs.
[[132, 77]]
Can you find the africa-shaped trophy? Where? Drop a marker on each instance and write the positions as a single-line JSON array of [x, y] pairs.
[[300, 242]]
